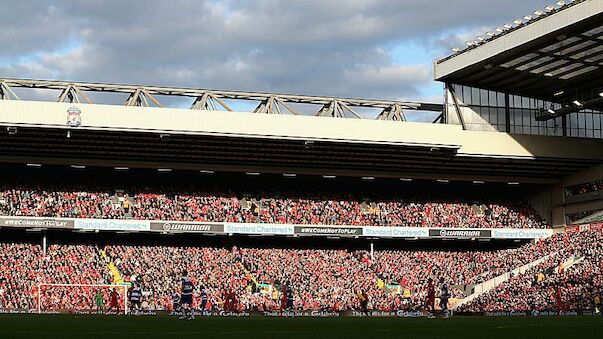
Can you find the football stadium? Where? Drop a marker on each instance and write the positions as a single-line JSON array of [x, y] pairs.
[[303, 217]]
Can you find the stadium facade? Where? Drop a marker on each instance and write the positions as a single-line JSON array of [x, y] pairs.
[[520, 120], [520, 106]]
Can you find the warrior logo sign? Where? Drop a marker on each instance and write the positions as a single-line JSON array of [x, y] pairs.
[[74, 118]]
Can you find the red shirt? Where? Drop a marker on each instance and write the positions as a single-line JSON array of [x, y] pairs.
[[430, 290], [114, 297]]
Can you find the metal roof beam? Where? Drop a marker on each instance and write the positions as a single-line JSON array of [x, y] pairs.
[[6, 92], [544, 115], [216, 94], [394, 113], [502, 75]]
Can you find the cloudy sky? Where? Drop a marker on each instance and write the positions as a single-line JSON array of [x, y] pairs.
[[352, 48]]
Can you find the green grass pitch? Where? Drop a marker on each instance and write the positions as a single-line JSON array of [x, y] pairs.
[[108, 327]]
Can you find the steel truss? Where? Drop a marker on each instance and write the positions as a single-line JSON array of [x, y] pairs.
[[269, 103]]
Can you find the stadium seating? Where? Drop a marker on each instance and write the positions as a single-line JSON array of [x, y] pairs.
[[322, 279], [584, 188], [550, 285], [283, 207], [24, 266]]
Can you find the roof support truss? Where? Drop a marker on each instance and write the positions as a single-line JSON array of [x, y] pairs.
[[269, 103], [337, 109], [6, 93], [209, 102], [393, 112], [274, 105]]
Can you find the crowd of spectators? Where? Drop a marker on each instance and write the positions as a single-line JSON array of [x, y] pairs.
[[158, 269], [25, 266], [584, 188], [550, 286], [187, 204], [321, 279], [573, 217]]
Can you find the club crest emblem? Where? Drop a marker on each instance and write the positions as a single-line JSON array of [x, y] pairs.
[[74, 117]]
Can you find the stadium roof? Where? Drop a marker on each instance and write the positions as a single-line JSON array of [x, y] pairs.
[[184, 139], [555, 55], [206, 99]]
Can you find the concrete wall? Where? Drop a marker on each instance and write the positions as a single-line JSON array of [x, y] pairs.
[[542, 202], [474, 143], [591, 174]]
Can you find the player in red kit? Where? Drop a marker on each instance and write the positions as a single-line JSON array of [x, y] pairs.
[[430, 300], [113, 297]]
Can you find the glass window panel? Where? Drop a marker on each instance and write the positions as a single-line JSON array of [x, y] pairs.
[[501, 116], [483, 97], [474, 96], [466, 95]]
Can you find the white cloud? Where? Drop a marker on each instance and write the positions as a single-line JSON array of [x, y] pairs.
[[313, 47]]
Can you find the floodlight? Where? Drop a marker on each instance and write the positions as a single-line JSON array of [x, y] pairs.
[[517, 21], [490, 33], [538, 13], [528, 17], [549, 8], [550, 110], [507, 26], [561, 3], [577, 103], [456, 50], [499, 30]]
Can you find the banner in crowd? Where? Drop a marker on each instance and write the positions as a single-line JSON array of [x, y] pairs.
[[459, 233], [112, 225], [395, 232], [568, 313], [521, 233], [278, 229], [328, 230], [337, 314], [259, 229], [35, 222], [185, 227], [584, 227]]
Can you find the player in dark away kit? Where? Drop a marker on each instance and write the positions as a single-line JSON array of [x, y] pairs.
[[444, 296], [186, 297]]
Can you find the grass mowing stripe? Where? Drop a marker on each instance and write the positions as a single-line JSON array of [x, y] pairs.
[[88, 327]]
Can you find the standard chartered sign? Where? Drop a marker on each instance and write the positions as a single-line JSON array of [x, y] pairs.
[[259, 229], [521, 233], [112, 225], [395, 232]]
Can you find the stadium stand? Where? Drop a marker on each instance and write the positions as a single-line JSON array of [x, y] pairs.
[[24, 266], [514, 151], [584, 188], [192, 204], [322, 279], [552, 285]]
